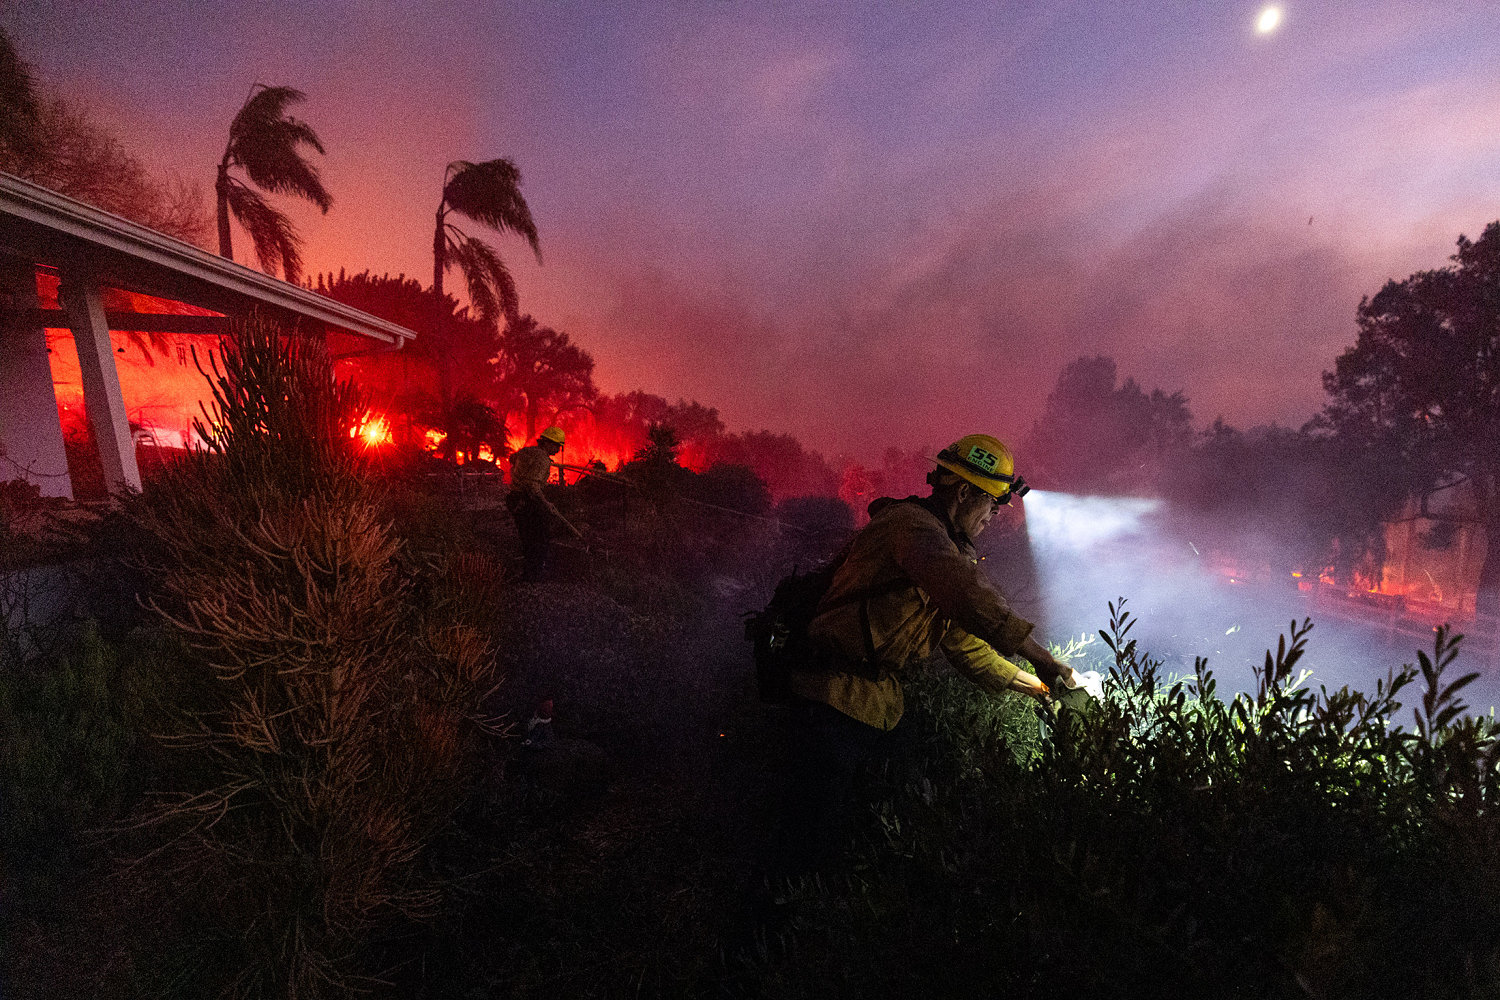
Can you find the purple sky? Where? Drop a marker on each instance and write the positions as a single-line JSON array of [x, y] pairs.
[[868, 225]]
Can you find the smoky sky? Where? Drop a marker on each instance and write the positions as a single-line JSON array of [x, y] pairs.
[[867, 225]]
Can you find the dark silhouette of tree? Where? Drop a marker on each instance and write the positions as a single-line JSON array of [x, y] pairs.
[[629, 414], [1097, 435], [691, 421], [661, 447], [1294, 500], [400, 299], [449, 335], [267, 144], [20, 110], [787, 468], [655, 468], [488, 193], [449, 362], [473, 424], [540, 371], [456, 349], [49, 142], [1420, 389], [734, 487]]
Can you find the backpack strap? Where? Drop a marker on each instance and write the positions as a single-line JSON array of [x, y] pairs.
[[863, 598]]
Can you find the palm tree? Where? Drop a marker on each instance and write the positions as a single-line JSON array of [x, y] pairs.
[[490, 194], [264, 141]]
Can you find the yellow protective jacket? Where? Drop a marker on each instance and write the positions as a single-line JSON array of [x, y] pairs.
[[927, 594], [529, 469]]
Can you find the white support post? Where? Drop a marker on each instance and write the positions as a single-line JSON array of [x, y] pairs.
[[101, 380], [31, 438]]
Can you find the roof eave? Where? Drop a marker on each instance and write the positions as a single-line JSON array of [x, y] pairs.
[[84, 223]]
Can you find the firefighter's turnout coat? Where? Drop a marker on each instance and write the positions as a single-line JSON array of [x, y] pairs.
[[529, 469], [926, 592]]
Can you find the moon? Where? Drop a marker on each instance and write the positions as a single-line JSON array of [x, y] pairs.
[[1269, 20]]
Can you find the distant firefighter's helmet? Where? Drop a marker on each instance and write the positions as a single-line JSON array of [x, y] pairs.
[[987, 463], [553, 434]]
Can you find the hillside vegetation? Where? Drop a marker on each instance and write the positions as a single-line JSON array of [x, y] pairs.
[[280, 755]]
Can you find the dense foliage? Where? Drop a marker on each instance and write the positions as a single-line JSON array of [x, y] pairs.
[[488, 193], [1317, 506], [315, 689], [540, 371], [68, 148], [267, 145], [1277, 843], [1420, 390], [319, 641], [1280, 843]]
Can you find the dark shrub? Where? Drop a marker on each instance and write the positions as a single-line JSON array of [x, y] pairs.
[[338, 680]]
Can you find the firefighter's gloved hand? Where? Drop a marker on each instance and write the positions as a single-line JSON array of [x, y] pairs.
[[1030, 684]]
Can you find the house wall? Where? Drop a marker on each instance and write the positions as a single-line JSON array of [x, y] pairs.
[[31, 440]]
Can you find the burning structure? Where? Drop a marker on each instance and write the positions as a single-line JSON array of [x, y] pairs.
[[86, 292]]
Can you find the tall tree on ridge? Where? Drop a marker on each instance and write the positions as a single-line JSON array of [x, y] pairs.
[[490, 194], [266, 143], [450, 339], [1099, 435], [64, 148]]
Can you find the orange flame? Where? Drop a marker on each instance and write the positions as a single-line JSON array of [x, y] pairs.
[[374, 430]]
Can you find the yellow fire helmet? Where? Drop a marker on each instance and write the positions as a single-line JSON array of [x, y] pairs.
[[553, 434], [987, 463]]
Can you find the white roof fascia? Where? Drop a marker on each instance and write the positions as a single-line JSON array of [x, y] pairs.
[[61, 214]]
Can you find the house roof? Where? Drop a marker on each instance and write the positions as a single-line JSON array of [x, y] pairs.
[[51, 229]]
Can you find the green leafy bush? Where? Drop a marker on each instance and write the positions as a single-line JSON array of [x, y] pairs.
[[1282, 843]]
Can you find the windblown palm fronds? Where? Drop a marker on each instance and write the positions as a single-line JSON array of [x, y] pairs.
[[490, 194], [266, 143], [492, 290], [277, 243]]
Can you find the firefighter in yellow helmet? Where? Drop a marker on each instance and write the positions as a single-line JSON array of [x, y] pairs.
[[907, 586], [530, 468]]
